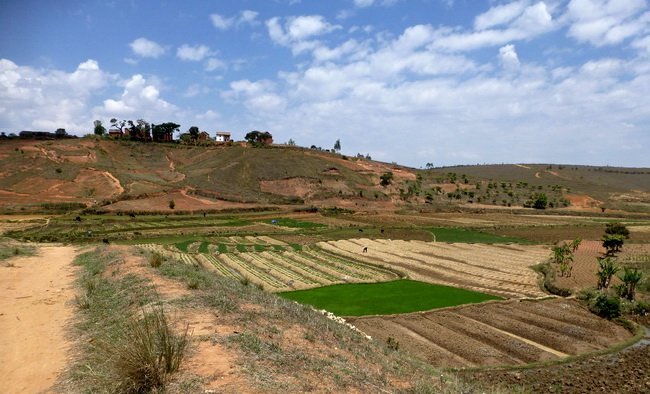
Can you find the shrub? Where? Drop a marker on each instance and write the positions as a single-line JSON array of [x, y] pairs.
[[145, 352], [606, 306], [172, 204], [392, 343], [641, 308], [156, 259]]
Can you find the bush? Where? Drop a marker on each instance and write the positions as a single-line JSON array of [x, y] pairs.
[[641, 308], [156, 259], [145, 352], [606, 306]]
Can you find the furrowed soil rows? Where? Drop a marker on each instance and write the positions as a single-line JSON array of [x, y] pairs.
[[499, 270], [497, 333]]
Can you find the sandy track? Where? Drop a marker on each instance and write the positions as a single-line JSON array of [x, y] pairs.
[[35, 307]]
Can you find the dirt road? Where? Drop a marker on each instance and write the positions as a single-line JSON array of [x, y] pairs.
[[35, 306]]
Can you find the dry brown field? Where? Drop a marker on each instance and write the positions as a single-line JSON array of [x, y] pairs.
[[503, 270], [514, 332]]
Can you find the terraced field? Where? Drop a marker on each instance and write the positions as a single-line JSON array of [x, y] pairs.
[[499, 333], [503, 270], [274, 265]]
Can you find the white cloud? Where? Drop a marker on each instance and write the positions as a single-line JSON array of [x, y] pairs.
[[147, 48], [500, 15], [297, 32], [49, 99], [193, 53], [508, 57], [533, 21], [257, 96], [607, 22], [220, 22], [245, 17], [363, 3], [140, 99], [214, 64]]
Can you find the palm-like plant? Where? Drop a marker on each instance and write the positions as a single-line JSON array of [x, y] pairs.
[[631, 277], [608, 268]]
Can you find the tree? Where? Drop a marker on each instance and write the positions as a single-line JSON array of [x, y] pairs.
[[291, 142], [563, 256], [258, 138], [617, 228], [118, 124], [386, 179], [172, 204], [631, 278], [194, 133], [337, 145], [99, 129], [164, 131], [140, 130], [60, 133], [608, 268], [613, 243], [576, 244], [540, 201]]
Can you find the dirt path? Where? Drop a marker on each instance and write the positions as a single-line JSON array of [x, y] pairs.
[[35, 295]]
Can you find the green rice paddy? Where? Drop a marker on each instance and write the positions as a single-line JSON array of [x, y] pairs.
[[385, 298]]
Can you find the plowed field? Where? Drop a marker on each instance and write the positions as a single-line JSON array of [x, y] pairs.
[[498, 333], [503, 270]]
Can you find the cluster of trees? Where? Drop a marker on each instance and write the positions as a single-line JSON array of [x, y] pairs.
[[140, 129], [605, 303], [259, 138]]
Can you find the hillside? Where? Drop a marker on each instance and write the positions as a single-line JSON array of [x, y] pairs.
[[129, 176]]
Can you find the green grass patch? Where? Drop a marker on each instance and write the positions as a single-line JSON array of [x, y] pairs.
[[401, 296], [296, 247], [203, 248], [278, 248], [241, 248], [260, 248], [182, 246], [222, 248], [461, 235], [288, 222]]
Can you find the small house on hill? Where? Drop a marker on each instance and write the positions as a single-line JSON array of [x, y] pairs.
[[115, 133], [203, 136], [222, 136]]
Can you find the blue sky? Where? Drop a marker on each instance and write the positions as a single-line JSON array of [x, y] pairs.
[[413, 82]]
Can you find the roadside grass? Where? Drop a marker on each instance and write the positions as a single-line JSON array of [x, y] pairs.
[[127, 343], [462, 235], [10, 249], [401, 296]]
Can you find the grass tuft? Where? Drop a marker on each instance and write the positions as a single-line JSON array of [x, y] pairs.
[[145, 352]]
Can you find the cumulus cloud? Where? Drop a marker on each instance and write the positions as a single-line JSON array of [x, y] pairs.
[[500, 15], [607, 22], [521, 23], [140, 98], [193, 53], [508, 57], [146, 48], [214, 64], [49, 99], [299, 32], [258, 96], [245, 17]]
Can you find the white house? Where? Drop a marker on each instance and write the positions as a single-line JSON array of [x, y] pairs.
[[222, 136]]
